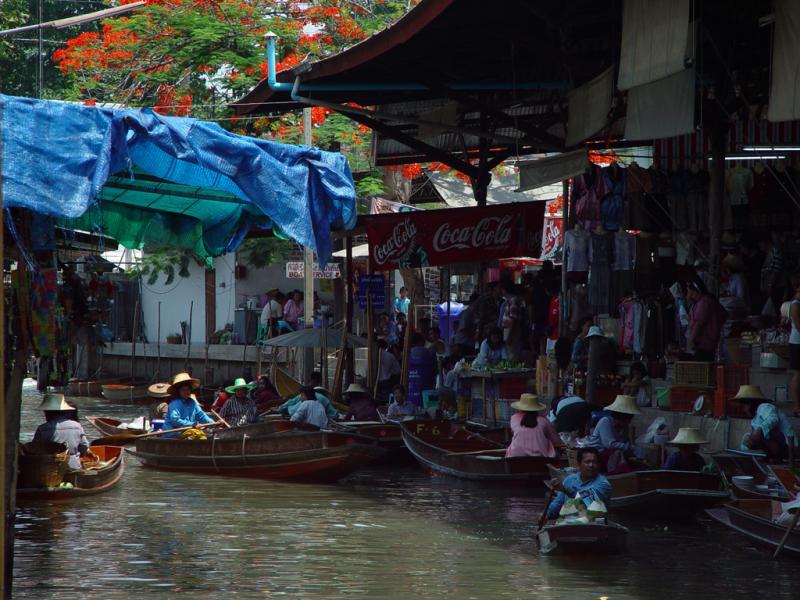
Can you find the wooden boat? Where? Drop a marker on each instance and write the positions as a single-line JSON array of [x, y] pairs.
[[386, 435], [753, 518], [125, 392], [109, 426], [289, 455], [599, 538], [448, 448], [90, 387], [731, 466], [665, 493], [287, 386], [87, 481]]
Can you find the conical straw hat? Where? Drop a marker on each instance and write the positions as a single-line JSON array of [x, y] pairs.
[[528, 403], [749, 392], [625, 405], [688, 436], [182, 378], [159, 390], [55, 402]]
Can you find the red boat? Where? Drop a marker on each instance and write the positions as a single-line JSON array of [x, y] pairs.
[[732, 466], [87, 481], [753, 519]]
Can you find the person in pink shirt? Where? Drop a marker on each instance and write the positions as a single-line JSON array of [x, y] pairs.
[[533, 435], [293, 310]]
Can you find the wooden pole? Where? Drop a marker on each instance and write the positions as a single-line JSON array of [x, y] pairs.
[[340, 367], [158, 345], [6, 469], [406, 347], [370, 342], [308, 266], [716, 196], [565, 223], [133, 340], [349, 364], [189, 339], [323, 359]]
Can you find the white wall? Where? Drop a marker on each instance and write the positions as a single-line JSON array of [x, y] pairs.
[[175, 299], [226, 289], [258, 281]]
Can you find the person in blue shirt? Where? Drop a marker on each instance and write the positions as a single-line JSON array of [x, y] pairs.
[[289, 407], [401, 302], [588, 478], [183, 411], [770, 429]]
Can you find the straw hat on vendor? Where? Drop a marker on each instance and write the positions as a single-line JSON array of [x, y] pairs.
[[533, 434], [750, 393], [688, 436], [62, 426], [624, 405], [688, 442], [55, 403], [528, 403], [594, 331], [239, 384], [182, 380], [355, 389], [159, 390]]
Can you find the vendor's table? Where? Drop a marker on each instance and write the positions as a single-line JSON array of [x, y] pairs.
[[492, 387]]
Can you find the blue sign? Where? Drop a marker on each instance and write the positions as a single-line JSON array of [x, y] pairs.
[[375, 286]]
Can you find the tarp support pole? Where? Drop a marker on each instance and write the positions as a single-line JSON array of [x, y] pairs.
[[715, 198], [5, 497], [349, 282], [308, 270]]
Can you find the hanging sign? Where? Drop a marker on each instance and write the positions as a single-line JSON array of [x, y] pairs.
[[296, 270], [553, 239], [440, 237], [375, 286]]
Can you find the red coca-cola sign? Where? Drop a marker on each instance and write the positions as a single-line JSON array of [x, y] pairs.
[[440, 237]]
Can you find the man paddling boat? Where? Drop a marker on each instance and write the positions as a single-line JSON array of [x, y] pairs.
[[588, 481], [183, 411], [62, 427]]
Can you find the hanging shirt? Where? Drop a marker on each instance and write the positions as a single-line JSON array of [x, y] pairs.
[[738, 183], [613, 203], [311, 412], [587, 192], [63, 430], [237, 412], [541, 440], [624, 251], [576, 246], [184, 413], [706, 318], [574, 484], [552, 318]]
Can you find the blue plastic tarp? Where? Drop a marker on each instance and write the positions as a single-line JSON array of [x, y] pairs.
[[56, 158]]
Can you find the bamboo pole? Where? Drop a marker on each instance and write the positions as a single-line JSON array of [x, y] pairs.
[[189, 339], [157, 374], [406, 347], [133, 341], [338, 376], [370, 342], [6, 472], [323, 359]]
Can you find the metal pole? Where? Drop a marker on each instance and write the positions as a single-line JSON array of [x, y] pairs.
[[308, 267], [565, 224], [40, 51], [715, 200], [6, 525]]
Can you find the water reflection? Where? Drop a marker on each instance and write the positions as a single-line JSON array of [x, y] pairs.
[[381, 534]]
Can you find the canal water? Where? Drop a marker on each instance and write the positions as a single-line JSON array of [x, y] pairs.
[[379, 534]]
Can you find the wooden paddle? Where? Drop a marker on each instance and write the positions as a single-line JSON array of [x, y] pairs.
[[121, 439], [547, 501], [220, 419], [785, 537]]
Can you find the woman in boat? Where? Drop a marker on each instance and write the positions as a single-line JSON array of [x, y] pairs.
[[240, 409], [687, 458], [533, 435], [587, 479], [62, 426], [362, 408], [611, 436], [183, 410], [492, 350], [266, 395], [770, 430]]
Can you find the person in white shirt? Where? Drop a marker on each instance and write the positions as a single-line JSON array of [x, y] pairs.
[[271, 313], [310, 411], [400, 407], [389, 372]]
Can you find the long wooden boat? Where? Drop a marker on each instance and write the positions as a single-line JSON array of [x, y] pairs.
[[87, 481], [126, 392], [289, 455], [109, 426], [448, 448], [731, 466], [90, 387], [753, 518], [598, 538], [287, 386], [386, 435], [665, 493]]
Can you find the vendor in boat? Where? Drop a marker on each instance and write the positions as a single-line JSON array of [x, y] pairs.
[[310, 411], [158, 410], [588, 478], [361, 406], [184, 411], [240, 409], [289, 407], [770, 429], [62, 426], [533, 434], [400, 407], [571, 414], [492, 350], [611, 436], [266, 395], [687, 458]]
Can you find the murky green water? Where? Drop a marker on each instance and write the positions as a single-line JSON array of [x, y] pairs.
[[379, 534]]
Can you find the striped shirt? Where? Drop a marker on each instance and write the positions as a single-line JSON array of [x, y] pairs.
[[237, 412]]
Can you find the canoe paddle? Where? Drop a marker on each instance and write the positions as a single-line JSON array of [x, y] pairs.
[[122, 439], [789, 530], [220, 419]]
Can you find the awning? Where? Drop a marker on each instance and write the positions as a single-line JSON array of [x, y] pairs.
[[312, 338], [360, 251], [156, 179], [551, 169]]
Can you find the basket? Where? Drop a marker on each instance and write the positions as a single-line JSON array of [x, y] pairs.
[[682, 398], [694, 373], [42, 464], [572, 457]]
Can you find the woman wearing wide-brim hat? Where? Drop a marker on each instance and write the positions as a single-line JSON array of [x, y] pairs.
[[687, 458], [534, 435], [770, 429], [240, 409], [361, 406], [62, 427], [611, 435], [183, 411]]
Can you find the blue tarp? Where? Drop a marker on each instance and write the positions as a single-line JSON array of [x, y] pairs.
[[56, 158]]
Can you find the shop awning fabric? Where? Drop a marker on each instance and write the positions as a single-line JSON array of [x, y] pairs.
[[146, 179]]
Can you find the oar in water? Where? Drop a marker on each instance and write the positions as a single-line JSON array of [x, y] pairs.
[[121, 439], [789, 530]]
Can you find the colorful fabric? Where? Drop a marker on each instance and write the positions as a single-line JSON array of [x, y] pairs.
[[237, 412], [44, 301]]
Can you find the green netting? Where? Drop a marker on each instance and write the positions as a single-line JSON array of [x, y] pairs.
[[145, 211]]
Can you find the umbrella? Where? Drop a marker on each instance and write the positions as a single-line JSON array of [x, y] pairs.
[[312, 338]]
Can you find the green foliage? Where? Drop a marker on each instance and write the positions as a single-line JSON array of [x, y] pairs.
[[371, 185], [166, 261], [260, 252]]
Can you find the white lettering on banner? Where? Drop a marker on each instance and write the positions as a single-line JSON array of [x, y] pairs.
[[395, 246], [491, 231], [296, 270]]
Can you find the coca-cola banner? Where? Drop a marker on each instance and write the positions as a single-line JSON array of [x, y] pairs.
[[432, 238]]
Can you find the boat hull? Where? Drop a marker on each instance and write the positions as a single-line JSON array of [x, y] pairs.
[[386, 435], [732, 465], [85, 483], [90, 387], [126, 392], [449, 449], [589, 538], [109, 426], [665, 494], [291, 455], [751, 519]]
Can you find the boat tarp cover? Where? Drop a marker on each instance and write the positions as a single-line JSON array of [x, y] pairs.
[[147, 179]]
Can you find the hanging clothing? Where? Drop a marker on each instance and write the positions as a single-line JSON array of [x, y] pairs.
[[578, 298], [624, 251], [613, 203], [600, 252], [697, 200], [587, 192], [576, 247], [678, 204], [44, 296], [646, 250], [639, 189]]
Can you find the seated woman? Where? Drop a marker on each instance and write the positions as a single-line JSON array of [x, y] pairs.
[[492, 350], [361, 406], [266, 395], [580, 347], [638, 384], [770, 430], [533, 434], [687, 457], [611, 436]]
